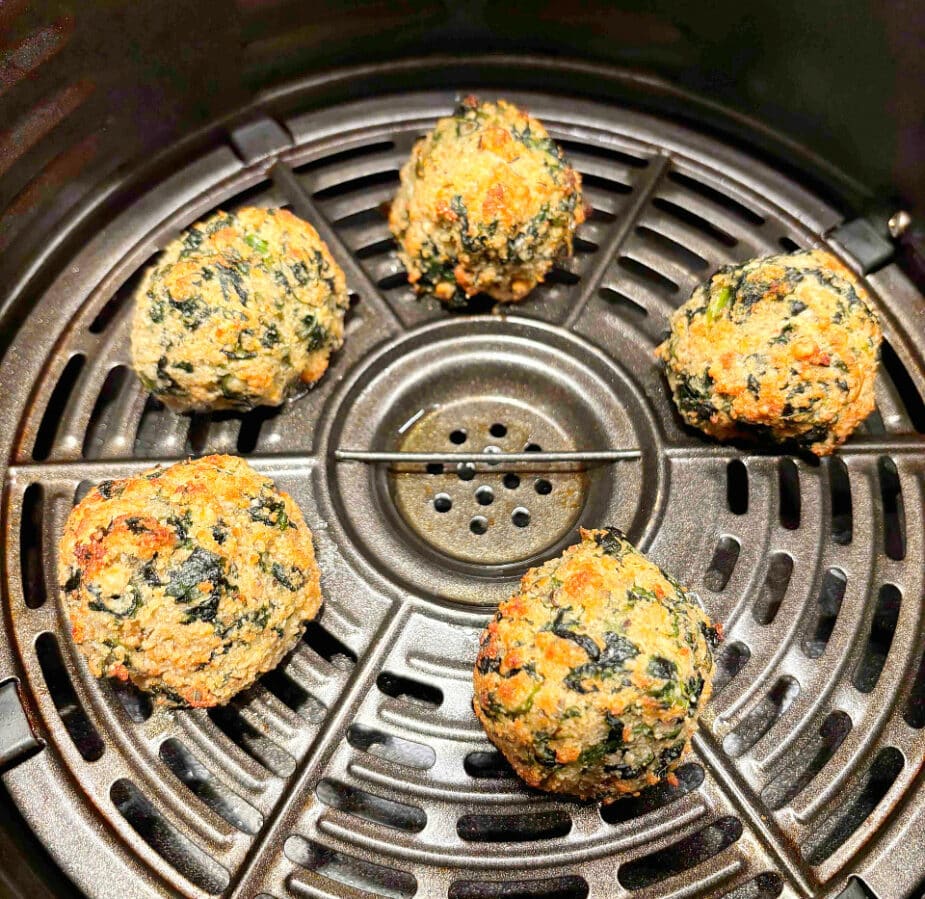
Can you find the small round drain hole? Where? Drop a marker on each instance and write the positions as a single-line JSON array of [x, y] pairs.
[[542, 487], [533, 448], [458, 436], [511, 481], [520, 517], [484, 496], [497, 430], [466, 471], [479, 524], [493, 449], [442, 502], [435, 468]]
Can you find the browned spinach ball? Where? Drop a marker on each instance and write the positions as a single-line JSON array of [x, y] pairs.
[[190, 581], [784, 348], [487, 203], [240, 310], [590, 679]]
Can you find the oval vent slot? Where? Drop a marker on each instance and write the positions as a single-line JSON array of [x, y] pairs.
[[75, 720], [391, 748], [681, 856], [207, 787], [370, 807], [172, 846], [350, 871]]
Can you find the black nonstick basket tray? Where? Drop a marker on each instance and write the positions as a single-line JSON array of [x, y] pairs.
[[358, 769]]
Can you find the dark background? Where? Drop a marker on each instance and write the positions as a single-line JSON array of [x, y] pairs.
[[833, 91], [85, 87], [89, 88]]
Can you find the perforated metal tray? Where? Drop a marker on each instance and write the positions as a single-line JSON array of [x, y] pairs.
[[358, 768]]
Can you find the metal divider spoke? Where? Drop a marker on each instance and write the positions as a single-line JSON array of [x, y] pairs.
[[109, 469], [761, 824], [642, 193], [246, 880], [372, 456], [288, 183]]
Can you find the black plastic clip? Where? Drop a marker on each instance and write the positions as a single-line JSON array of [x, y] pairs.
[[259, 138], [17, 740], [867, 241]]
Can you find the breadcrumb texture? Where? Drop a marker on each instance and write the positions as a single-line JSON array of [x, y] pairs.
[[784, 348], [590, 679], [239, 310], [190, 581], [487, 204]]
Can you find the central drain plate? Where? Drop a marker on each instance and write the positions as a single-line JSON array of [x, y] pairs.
[[477, 512], [464, 532]]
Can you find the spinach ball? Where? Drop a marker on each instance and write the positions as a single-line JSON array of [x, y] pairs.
[[190, 581], [238, 311], [487, 203], [591, 678], [784, 348]]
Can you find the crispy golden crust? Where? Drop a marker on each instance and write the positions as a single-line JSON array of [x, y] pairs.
[[240, 309], [785, 347], [486, 204], [591, 678], [190, 581]]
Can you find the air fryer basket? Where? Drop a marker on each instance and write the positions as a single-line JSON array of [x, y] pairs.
[[358, 768]]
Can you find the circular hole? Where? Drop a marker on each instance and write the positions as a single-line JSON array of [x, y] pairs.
[[442, 502], [479, 524], [484, 496], [520, 517], [493, 449], [533, 448], [458, 436], [511, 481], [497, 430], [542, 487], [435, 468], [466, 471]]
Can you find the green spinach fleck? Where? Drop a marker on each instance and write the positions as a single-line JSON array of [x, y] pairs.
[[270, 511], [255, 242], [562, 629], [618, 649], [119, 605], [292, 580], [314, 334], [202, 566]]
